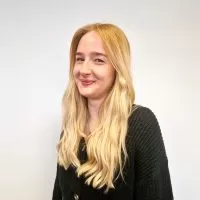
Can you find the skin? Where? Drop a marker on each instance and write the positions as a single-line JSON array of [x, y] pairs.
[[94, 75]]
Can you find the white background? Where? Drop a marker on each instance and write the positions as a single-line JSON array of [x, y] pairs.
[[34, 46]]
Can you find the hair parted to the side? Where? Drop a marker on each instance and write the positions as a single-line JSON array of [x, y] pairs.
[[106, 144]]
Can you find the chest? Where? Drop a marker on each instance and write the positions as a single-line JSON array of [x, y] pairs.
[[74, 188]]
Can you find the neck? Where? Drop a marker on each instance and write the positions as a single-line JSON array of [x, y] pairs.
[[93, 108]]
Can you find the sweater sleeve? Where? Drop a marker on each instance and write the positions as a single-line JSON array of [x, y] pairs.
[[57, 194], [152, 177]]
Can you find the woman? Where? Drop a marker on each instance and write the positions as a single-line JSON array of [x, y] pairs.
[[110, 148]]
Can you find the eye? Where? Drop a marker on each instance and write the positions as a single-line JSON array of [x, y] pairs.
[[79, 59], [99, 61]]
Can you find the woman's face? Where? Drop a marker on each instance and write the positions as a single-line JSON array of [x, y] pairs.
[[94, 75]]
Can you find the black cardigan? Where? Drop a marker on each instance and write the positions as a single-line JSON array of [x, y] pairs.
[[146, 172]]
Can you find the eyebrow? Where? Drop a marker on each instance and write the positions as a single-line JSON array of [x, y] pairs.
[[93, 53]]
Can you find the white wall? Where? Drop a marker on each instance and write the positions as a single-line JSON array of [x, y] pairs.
[[34, 47]]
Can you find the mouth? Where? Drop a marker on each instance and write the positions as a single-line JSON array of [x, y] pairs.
[[86, 82]]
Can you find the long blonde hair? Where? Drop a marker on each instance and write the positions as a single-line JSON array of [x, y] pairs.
[[106, 144]]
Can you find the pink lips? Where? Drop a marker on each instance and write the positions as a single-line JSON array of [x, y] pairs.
[[86, 82]]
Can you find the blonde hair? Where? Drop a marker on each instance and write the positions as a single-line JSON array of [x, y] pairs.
[[106, 148]]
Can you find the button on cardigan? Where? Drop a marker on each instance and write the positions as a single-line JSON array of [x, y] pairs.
[[146, 173]]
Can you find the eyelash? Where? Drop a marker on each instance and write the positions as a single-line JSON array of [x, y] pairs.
[[79, 59], [97, 60]]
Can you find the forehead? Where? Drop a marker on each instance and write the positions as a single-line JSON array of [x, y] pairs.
[[91, 41]]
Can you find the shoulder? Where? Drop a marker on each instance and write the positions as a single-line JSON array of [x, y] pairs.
[[142, 116], [144, 129]]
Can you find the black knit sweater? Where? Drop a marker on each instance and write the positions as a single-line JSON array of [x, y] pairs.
[[146, 172]]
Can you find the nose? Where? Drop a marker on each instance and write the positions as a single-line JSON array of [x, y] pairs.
[[85, 68]]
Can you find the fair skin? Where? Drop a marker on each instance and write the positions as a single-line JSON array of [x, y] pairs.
[[94, 75]]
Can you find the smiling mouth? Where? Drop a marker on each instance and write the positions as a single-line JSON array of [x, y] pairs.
[[86, 82]]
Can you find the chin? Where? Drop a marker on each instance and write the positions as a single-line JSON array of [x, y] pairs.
[[85, 95]]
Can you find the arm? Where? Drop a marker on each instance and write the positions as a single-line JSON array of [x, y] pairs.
[[151, 164], [57, 194]]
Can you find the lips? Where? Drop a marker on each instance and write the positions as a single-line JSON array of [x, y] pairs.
[[86, 82]]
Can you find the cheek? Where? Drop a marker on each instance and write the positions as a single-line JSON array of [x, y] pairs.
[[111, 74], [75, 71], [111, 78]]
